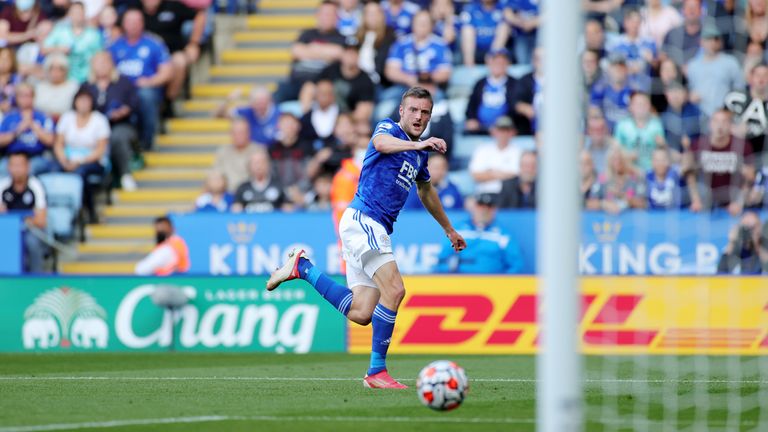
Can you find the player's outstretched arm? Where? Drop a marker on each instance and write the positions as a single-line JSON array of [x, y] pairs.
[[386, 143], [431, 201]]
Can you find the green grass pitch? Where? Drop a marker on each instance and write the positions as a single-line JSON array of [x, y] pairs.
[[248, 392]]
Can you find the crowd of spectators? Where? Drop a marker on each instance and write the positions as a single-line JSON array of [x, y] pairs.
[[674, 112], [82, 83]]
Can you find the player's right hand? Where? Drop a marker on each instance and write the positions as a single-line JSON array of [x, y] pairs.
[[434, 144]]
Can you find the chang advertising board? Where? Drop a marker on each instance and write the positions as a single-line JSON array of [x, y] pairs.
[[633, 243], [618, 315], [118, 314]]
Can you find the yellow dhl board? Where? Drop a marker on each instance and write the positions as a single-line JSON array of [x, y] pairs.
[[617, 315]]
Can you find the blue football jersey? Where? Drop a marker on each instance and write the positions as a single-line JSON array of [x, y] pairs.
[[386, 179], [142, 59], [401, 21], [484, 21], [26, 141]]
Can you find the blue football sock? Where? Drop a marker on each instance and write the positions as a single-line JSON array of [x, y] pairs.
[[337, 295], [383, 322]]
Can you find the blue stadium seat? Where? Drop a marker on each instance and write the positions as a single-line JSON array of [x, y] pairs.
[[291, 107], [64, 195], [517, 71], [464, 181], [524, 142], [457, 107], [465, 145], [463, 79]]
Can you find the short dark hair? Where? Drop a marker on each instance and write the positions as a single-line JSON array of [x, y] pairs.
[[22, 154], [163, 219], [84, 92], [418, 93]]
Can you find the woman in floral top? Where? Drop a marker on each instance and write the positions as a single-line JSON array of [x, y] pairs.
[[621, 186]]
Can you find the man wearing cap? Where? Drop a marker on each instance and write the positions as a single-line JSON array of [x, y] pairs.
[[492, 96], [490, 248], [497, 161], [712, 74]]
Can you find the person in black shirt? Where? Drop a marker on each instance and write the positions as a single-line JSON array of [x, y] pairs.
[[520, 192], [21, 193], [165, 18], [262, 193], [353, 88], [314, 50]]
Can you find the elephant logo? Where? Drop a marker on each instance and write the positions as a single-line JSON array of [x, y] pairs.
[[65, 317]]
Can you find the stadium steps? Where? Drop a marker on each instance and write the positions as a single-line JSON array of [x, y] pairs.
[[176, 168]]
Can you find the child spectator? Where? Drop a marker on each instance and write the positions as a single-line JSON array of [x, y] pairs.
[[663, 182], [215, 197]]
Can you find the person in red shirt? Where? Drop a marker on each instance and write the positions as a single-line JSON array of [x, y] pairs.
[[713, 164], [18, 21]]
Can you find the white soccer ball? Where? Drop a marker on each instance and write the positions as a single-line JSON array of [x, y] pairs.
[[442, 385]]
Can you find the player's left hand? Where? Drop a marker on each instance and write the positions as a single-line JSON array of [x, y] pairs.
[[436, 144], [457, 241]]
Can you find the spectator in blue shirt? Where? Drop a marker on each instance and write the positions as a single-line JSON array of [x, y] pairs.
[[349, 16], [399, 14], [421, 58], [682, 120], [639, 52], [490, 248], [663, 182], [492, 96], [215, 198], [523, 17], [447, 24], [449, 194], [143, 59], [481, 29], [612, 95], [261, 114], [26, 130]]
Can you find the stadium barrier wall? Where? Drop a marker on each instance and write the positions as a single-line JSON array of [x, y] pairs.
[[633, 243], [10, 246], [619, 315], [67, 314]]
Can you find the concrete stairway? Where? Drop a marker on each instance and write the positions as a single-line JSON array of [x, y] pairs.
[[176, 168]]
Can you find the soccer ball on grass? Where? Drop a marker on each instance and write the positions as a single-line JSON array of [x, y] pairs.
[[442, 385]]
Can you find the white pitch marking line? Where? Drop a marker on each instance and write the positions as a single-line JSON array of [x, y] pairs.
[[203, 419], [266, 418], [247, 378], [113, 423]]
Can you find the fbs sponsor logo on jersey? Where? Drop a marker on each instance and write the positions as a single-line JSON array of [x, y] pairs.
[[65, 317]]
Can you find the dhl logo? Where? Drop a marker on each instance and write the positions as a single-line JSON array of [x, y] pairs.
[[634, 317]]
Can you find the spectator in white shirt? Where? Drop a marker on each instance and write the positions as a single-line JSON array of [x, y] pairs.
[[495, 162]]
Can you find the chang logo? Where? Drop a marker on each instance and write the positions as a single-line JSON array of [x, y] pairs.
[[65, 317]]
